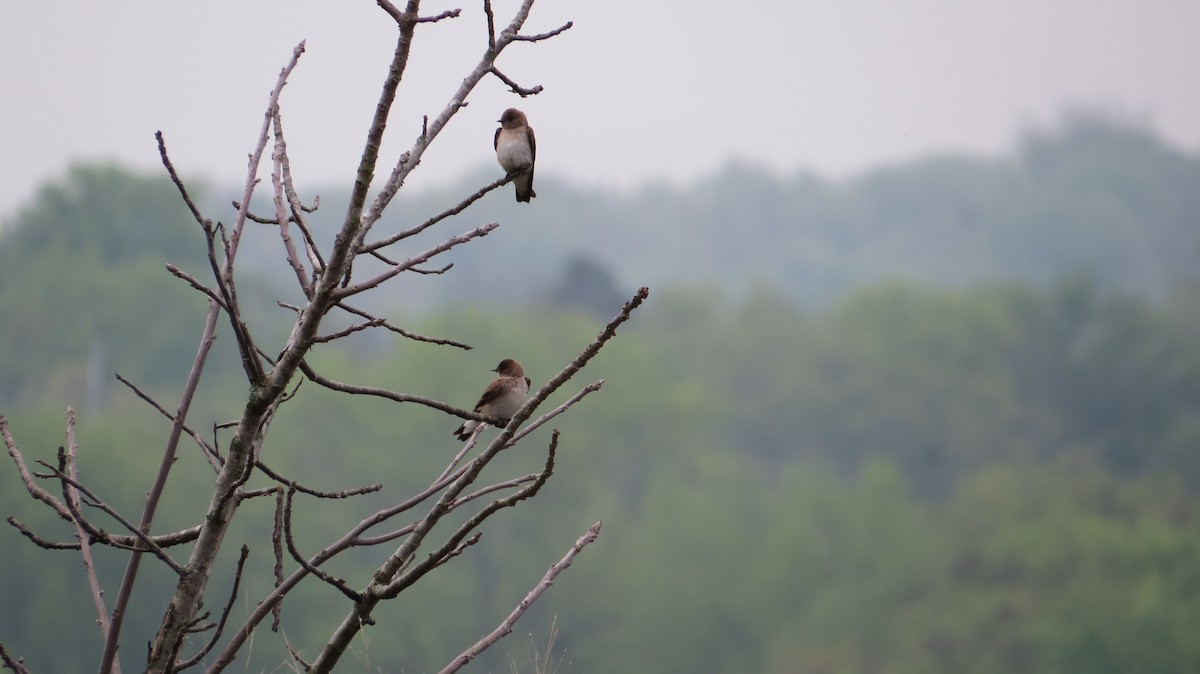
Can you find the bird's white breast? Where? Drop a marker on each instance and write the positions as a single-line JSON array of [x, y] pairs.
[[512, 150]]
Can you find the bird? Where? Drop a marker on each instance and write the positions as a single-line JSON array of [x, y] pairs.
[[516, 150], [502, 398]]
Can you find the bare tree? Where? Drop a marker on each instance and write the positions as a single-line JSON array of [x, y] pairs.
[[327, 280]]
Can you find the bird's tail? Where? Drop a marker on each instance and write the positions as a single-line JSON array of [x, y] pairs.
[[464, 432]]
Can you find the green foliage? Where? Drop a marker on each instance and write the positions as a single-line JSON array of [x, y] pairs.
[[83, 284], [1096, 199], [883, 487], [105, 212], [936, 476]]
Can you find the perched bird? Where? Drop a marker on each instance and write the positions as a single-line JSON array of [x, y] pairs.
[[516, 150], [502, 398]]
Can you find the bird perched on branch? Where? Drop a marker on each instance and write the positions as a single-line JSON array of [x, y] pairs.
[[516, 150], [502, 398]]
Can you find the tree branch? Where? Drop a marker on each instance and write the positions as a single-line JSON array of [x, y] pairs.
[[355, 225], [543, 36], [453, 210], [390, 588], [27, 478], [362, 541], [401, 331], [279, 159], [72, 498], [516, 89], [233, 591], [210, 452], [17, 665], [97, 502], [165, 647], [396, 396], [337, 583], [208, 335], [446, 245], [385, 583], [448, 14], [506, 626], [326, 283]]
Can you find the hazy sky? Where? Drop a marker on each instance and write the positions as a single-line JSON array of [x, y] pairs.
[[637, 90]]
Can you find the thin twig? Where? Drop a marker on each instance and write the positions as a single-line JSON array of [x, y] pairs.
[[187, 199], [393, 586], [491, 24], [458, 456], [95, 534], [210, 452], [441, 270], [393, 395], [401, 331], [237, 205], [279, 160], [233, 592], [27, 478], [516, 88], [277, 551], [250, 363], [38, 540], [195, 283], [448, 14], [446, 245], [298, 210], [311, 568], [345, 332], [453, 210], [121, 542], [366, 541], [506, 625], [533, 425], [17, 665], [507, 484], [334, 494], [350, 539], [543, 36], [392, 11], [304, 666], [97, 502], [460, 548]]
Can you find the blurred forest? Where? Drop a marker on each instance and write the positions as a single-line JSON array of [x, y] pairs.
[[941, 417]]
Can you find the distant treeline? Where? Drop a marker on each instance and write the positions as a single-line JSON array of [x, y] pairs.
[[940, 418], [1092, 199], [993, 480]]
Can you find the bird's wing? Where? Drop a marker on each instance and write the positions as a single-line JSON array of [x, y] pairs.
[[496, 140], [492, 393]]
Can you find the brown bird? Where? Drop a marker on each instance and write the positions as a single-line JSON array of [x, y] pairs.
[[516, 150], [502, 398]]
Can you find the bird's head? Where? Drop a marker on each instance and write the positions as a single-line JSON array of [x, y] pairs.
[[509, 368], [513, 118]]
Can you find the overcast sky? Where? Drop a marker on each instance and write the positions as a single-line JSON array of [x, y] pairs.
[[639, 90]]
